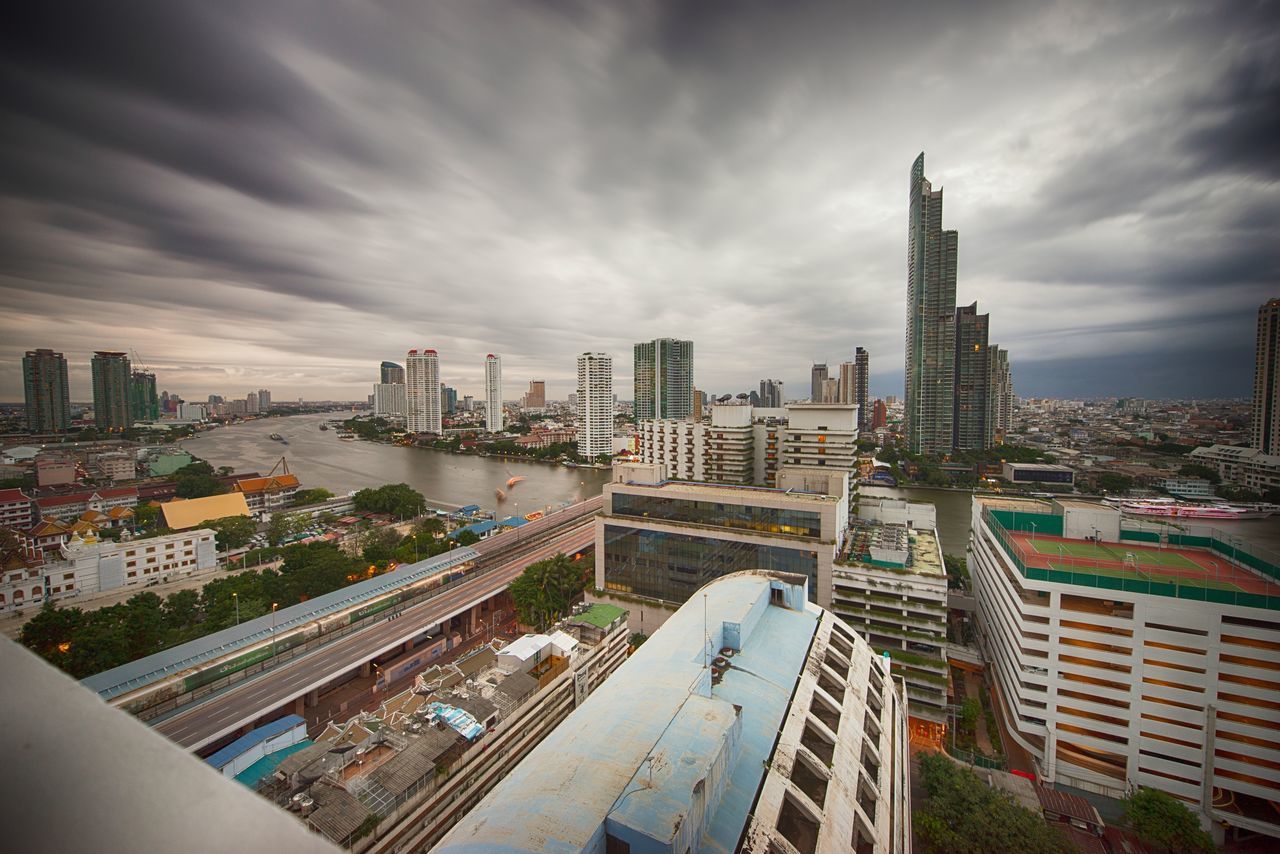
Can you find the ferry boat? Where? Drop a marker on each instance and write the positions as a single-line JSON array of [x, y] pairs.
[[1181, 510], [346, 436], [324, 426], [277, 437]]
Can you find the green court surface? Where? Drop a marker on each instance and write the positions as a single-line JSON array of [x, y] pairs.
[[1092, 551], [1147, 574]]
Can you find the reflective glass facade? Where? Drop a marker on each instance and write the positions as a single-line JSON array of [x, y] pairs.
[[671, 566], [765, 520]]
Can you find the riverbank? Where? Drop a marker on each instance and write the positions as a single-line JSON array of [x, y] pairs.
[[447, 480]]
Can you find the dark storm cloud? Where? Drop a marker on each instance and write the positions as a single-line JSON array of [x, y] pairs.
[[294, 192]]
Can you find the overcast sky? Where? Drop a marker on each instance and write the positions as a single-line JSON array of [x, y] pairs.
[[281, 195]]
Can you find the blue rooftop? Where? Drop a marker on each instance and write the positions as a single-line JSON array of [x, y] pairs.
[[657, 741], [249, 739], [267, 765]]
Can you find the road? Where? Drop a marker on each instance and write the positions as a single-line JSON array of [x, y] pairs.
[[224, 713]]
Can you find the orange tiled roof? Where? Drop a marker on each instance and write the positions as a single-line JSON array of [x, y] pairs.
[[48, 527], [267, 484], [120, 512]]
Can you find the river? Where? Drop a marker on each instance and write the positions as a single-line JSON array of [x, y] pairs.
[[955, 513], [320, 459]]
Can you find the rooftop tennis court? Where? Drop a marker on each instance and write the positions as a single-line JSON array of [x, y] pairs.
[[1171, 565]]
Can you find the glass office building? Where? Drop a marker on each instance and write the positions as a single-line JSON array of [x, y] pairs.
[[672, 566], [745, 517]]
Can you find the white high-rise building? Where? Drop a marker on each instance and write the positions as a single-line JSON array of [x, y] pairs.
[[595, 404], [493, 393], [422, 392], [389, 400]]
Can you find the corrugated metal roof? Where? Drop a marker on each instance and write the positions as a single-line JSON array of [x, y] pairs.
[[249, 739], [170, 662]]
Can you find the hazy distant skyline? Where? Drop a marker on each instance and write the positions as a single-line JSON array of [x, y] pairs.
[[278, 195]]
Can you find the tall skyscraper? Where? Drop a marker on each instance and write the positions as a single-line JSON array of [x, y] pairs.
[[422, 392], [448, 399], [595, 404], [664, 379], [264, 400], [817, 383], [880, 415], [493, 393], [771, 394], [251, 403], [970, 431], [112, 384], [1000, 395], [931, 326], [861, 384], [1266, 380], [142, 397], [44, 380], [536, 396]]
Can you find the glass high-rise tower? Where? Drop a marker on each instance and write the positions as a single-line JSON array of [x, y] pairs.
[[143, 398], [664, 379], [112, 391], [973, 381], [931, 325], [44, 380], [1266, 380]]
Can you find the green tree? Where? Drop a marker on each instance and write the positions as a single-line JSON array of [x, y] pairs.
[[544, 591], [233, 531], [49, 629], [145, 516], [379, 544], [1162, 822], [304, 497], [957, 572], [279, 528], [396, 499], [962, 814], [197, 480], [1112, 482]]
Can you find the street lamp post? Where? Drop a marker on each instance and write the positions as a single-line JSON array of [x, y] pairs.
[[235, 597], [274, 605]]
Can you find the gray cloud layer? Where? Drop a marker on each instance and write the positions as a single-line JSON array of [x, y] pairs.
[[259, 194]]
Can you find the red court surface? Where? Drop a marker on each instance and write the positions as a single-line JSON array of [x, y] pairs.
[[1171, 565]]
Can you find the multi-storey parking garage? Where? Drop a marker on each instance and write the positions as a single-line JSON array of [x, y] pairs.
[[1128, 654]]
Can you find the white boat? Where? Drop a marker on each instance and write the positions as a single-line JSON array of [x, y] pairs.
[[1180, 510]]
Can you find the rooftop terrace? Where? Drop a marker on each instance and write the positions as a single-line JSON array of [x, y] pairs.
[[1183, 562]]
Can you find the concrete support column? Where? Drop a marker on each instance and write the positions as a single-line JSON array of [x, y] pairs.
[[300, 706], [476, 620], [313, 698], [408, 646], [366, 668]]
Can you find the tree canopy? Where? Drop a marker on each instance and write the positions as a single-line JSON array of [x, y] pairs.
[[397, 499], [962, 814], [546, 589], [83, 643], [233, 531], [1164, 823], [197, 480]]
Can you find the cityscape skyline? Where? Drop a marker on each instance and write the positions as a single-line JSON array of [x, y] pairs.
[[631, 236]]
